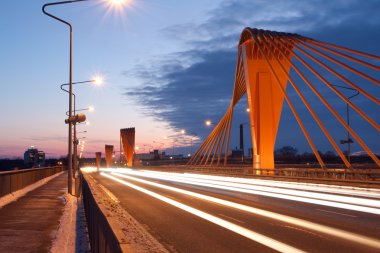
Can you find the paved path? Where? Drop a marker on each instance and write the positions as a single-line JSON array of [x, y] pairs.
[[28, 224]]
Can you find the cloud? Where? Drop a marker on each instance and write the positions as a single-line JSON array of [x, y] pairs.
[[185, 88]]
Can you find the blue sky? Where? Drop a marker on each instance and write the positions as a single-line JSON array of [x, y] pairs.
[[168, 65]]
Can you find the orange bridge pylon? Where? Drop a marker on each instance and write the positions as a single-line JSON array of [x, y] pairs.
[[109, 155], [264, 62], [127, 136]]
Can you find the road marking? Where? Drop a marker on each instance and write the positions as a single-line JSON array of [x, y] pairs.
[[113, 197], [170, 197], [228, 217], [254, 236], [337, 213], [368, 241]]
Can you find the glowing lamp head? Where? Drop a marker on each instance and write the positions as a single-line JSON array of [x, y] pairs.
[[118, 3], [183, 131], [248, 110], [137, 148], [98, 80], [88, 123], [208, 122], [91, 108]]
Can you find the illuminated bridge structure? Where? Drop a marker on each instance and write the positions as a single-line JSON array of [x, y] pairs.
[[268, 62]]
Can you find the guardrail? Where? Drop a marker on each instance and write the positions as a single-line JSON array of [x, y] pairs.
[[102, 237], [11, 181]]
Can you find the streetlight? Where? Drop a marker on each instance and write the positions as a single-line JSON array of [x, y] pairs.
[[90, 109], [75, 142], [208, 123], [161, 144], [192, 136], [242, 140], [81, 148], [70, 80], [348, 141], [96, 81], [175, 138], [149, 147], [121, 152]]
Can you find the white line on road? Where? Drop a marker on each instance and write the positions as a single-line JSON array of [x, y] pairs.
[[349, 215], [228, 217]]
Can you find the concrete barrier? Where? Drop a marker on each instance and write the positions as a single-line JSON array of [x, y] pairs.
[[104, 234], [11, 181]]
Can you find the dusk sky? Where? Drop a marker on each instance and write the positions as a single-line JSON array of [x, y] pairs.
[[168, 65]]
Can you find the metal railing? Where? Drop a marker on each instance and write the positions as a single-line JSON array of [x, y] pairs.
[[101, 229], [11, 181]]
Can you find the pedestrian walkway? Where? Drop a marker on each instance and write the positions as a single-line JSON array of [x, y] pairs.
[[29, 224]]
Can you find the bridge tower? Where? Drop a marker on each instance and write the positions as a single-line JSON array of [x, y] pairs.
[[264, 63], [127, 136], [265, 98]]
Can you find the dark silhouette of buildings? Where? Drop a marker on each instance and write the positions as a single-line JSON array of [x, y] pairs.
[[34, 158]]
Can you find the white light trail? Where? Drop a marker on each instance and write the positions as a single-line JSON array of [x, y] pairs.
[[339, 189], [259, 238], [89, 169], [357, 191], [276, 216], [350, 203]]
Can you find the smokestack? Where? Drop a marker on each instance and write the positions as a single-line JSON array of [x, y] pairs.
[[241, 138]]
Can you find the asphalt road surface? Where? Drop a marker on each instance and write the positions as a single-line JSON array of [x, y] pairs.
[[188, 223]]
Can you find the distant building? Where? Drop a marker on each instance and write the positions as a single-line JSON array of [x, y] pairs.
[[34, 158], [145, 156], [237, 153]]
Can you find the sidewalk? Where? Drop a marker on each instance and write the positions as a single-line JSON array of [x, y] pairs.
[[30, 223]]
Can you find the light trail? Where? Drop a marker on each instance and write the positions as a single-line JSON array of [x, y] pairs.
[[276, 216], [363, 192], [345, 190], [302, 196], [259, 238], [245, 185]]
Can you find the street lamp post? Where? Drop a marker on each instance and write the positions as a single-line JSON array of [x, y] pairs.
[[192, 135], [75, 142], [70, 144], [348, 141], [70, 79], [242, 140]]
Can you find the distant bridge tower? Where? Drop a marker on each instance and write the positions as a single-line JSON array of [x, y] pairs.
[[264, 62], [127, 136], [109, 155]]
